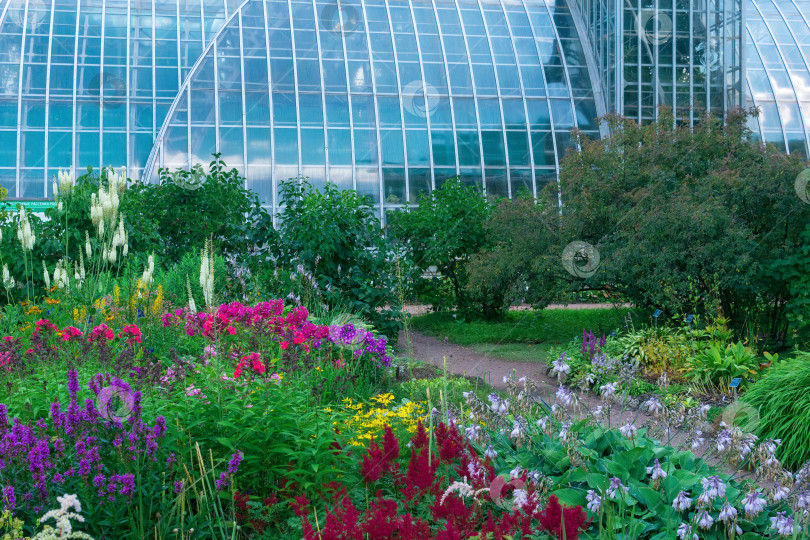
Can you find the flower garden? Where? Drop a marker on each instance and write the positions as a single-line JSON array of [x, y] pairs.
[[167, 376]]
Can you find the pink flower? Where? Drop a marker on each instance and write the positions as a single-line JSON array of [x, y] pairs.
[[258, 367], [285, 344], [230, 330], [131, 332]]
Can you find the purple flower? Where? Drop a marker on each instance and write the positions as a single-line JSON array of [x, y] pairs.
[[178, 486], [127, 484], [222, 482], [160, 427], [8, 497], [233, 464], [73, 383], [3, 419]]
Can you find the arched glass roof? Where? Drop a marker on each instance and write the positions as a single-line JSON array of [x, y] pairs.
[[89, 82], [390, 98], [778, 70]]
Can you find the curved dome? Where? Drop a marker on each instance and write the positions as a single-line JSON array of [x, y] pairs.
[[390, 98], [778, 70], [89, 82]]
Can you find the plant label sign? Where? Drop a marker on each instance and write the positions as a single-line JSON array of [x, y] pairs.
[[689, 319], [657, 313], [735, 382]]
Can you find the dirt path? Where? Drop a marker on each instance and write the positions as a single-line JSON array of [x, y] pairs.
[[421, 309], [465, 361]]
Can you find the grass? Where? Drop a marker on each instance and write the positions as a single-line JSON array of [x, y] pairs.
[[522, 335]]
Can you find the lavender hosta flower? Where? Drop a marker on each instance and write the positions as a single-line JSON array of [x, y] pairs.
[[654, 405], [747, 444], [703, 411], [705, 521], [779, 493], [753, 504], [565, 396], [783, 524], [559, 368], [803, 500], [656, 471], [517, 430], [713, 487], [520, 497], [541, 422], [723, 440], [498, 405], [615, 487], [517, 472], [490, 452], [628, 430], [697, 439], [608, 390], [472, 432], [682, 502], [685, 532], [727, 513], [594, 501]]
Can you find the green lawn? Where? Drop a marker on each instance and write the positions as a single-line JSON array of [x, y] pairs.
[[522, 335]]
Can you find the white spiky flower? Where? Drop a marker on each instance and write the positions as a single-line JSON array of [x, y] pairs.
[[24, 233], [88, 249], [207, 275], [63, 517], [46, 276], [65, 178], [148, 273], [8, 281], [192, 307]]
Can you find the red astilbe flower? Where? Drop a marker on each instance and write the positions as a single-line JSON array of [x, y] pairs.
[[552, 519], [419, 438], [420, 474], [449, 441], [379, 460], [373, 463], [341, 523]]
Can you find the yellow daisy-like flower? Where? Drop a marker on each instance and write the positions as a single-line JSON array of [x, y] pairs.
[[33, 310], [51, 301]]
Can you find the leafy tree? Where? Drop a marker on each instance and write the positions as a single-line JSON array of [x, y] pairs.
[[519, 235], [188, 207], [674, 210], [334, 238], [445, 231]]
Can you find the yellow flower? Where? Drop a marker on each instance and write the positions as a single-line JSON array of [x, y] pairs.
[[80, 315], [51, 301], [116, 294], [157, 305], [33, 310]]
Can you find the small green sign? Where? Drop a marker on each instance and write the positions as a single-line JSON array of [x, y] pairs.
[[33, 205]]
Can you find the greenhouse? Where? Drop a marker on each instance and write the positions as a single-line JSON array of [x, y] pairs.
[[390, 98]]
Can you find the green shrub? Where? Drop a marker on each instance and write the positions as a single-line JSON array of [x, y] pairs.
[[189, 207], [331, 239], [445, 231], [783, 402], [672, 207], [174, 277], [516, 231], [718, 365]]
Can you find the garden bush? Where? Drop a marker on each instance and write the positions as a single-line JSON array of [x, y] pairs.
[[445, 231], [517, 231], [331, 242], [669, 205], [783, 403]]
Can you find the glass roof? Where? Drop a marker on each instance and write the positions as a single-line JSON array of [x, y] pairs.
[[390, 98], [778, 76], [89, 82]]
